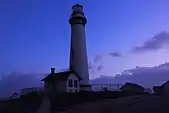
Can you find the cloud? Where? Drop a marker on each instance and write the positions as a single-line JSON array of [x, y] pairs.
[[115, 54], [155, 43], [102, 80], [98, 58], [95, 65], [145, 76], [99, 68], [91, 67]]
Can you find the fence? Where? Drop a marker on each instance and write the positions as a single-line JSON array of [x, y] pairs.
[[103, 87]]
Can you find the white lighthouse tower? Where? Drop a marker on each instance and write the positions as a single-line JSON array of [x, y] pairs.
[[78, 52]]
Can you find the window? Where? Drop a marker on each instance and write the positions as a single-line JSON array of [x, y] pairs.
[[70, 83], [75, 83]]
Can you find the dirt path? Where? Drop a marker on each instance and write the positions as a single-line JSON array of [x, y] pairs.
[[45, 106]]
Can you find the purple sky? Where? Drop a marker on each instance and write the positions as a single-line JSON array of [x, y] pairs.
[[120, 34]]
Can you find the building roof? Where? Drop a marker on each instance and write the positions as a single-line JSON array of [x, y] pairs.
[[166, 83], [131, 85], [77, 5], [61, 76], [162, 86]]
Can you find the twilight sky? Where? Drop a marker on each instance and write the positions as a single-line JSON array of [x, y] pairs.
[[120, 34]]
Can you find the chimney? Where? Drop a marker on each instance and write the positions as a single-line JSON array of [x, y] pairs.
[[52, 70]]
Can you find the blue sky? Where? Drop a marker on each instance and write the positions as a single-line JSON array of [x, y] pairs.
[[35, 34]]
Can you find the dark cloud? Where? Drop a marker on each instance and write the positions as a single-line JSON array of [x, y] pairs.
[[95, 65], [99, 68], [155, 43], [91, 67], [97, 58], [115, 54], [94, 68]]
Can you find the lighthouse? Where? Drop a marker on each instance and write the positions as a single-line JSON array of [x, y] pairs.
[[78, 51]]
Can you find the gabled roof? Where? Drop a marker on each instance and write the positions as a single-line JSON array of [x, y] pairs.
[[166, 83], [61, 75], [131, 85]]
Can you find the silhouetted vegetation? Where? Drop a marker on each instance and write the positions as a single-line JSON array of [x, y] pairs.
[[32, 101], [29, 102]]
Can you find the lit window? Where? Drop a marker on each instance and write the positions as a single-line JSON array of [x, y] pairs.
[[70, 83]]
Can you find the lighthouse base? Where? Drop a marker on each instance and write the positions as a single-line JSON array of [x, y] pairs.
[[85, 87]]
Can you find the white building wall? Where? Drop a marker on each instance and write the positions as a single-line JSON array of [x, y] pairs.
[[78, 44], [73, 88]]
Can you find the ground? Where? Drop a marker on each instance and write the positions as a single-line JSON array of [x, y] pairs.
[[130, 104], [133, 104]]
